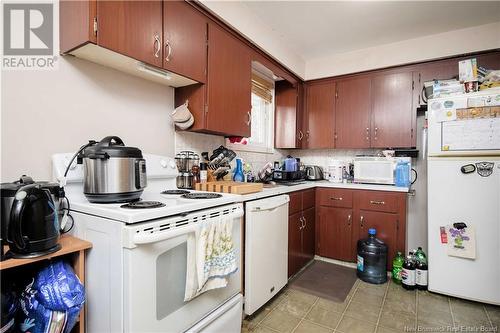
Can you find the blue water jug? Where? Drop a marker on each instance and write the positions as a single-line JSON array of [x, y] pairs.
[[402, 174]]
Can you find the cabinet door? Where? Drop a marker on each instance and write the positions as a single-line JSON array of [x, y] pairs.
[[132, 28], [229, 84], [386, 225], [185, 40], [352, 113], [320, 106], [335, 233], [308, 236], [392, 111], [286, 116], [294, 243]]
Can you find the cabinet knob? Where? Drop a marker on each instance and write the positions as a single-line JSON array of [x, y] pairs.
[[301, 135], [362, 221], [168, 49], [349, 220], [157, 46]]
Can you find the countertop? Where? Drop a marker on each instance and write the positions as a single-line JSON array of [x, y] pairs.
[[283, 189]]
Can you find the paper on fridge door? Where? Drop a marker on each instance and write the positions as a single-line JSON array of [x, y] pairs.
[[461, 242]]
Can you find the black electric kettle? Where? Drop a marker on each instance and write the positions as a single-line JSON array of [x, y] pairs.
[[34, 224]]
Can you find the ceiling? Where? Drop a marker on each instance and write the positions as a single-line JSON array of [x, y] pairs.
[[313, 29]]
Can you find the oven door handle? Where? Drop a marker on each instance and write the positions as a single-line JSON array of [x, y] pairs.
[[148, 238]]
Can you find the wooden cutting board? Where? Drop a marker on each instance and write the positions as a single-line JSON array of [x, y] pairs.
[[229, 187]]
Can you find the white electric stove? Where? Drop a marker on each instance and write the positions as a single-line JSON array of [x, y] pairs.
[[136, 269]]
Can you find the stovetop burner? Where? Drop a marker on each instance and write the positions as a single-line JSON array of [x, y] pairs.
[[201, 196], [143, 205], [175, 192]]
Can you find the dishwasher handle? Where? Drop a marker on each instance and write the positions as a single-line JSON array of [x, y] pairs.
[[269, 204]]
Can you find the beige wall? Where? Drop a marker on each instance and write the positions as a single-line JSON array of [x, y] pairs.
[[46, 112], [479, 38]]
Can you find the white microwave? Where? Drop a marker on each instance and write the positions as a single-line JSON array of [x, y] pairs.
[[376, 170]]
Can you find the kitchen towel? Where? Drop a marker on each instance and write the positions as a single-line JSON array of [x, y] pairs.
[[462, 242], [211, 257]]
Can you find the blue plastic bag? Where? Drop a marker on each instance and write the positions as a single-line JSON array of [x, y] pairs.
[[53, 299]]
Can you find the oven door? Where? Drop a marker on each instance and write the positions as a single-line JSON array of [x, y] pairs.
[[155, 274]]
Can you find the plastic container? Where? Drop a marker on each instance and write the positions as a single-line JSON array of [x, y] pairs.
[[397, 267], [372, 259], [290, 163], [402, 174], [238, 172]]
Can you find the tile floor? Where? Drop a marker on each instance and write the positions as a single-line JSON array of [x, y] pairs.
[[372, 308]]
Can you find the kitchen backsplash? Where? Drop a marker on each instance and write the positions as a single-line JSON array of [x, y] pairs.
[[198, 143], [323, 157]]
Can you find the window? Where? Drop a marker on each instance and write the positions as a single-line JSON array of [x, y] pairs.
[[262, 125]]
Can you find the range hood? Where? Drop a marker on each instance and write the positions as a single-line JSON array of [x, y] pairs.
[[108, 58]]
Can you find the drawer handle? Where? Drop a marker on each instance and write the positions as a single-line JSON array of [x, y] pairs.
[[336, 199], [376, 202]]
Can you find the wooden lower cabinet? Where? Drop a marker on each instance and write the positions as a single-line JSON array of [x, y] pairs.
[[386, 225], [294, 243], [301, 230], [335, 233], [308, 239], [341, 223]]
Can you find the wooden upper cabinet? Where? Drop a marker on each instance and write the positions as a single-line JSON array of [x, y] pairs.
[[132, 28], [352, 113], [392, 111], [229, 84], [76, 24], [320, 104], [184, 40], [287, 133]]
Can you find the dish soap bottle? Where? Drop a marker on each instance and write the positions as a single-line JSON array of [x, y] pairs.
[[238, 172]]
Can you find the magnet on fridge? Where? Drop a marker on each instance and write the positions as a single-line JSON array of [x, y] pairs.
[[444, 235], [446, 148], [459, 225], [468, 168]]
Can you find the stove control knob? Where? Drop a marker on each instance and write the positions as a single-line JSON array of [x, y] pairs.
[[163, 163], [172, 165]]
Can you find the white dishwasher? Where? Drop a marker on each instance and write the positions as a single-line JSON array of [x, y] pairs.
[[266, 250]]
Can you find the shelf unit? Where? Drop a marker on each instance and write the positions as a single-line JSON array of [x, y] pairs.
[[73, 250]]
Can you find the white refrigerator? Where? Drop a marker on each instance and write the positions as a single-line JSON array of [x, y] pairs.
[[463, 184]]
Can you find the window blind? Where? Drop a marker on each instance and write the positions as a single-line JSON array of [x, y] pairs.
[[262, 88]]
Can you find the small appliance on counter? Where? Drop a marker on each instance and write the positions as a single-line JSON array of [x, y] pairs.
[[379, 170], [185, 160], [314, 172], [30, 217], [291, 170], [112, 171]]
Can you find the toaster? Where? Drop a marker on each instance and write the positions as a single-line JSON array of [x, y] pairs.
[[314, 172]]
